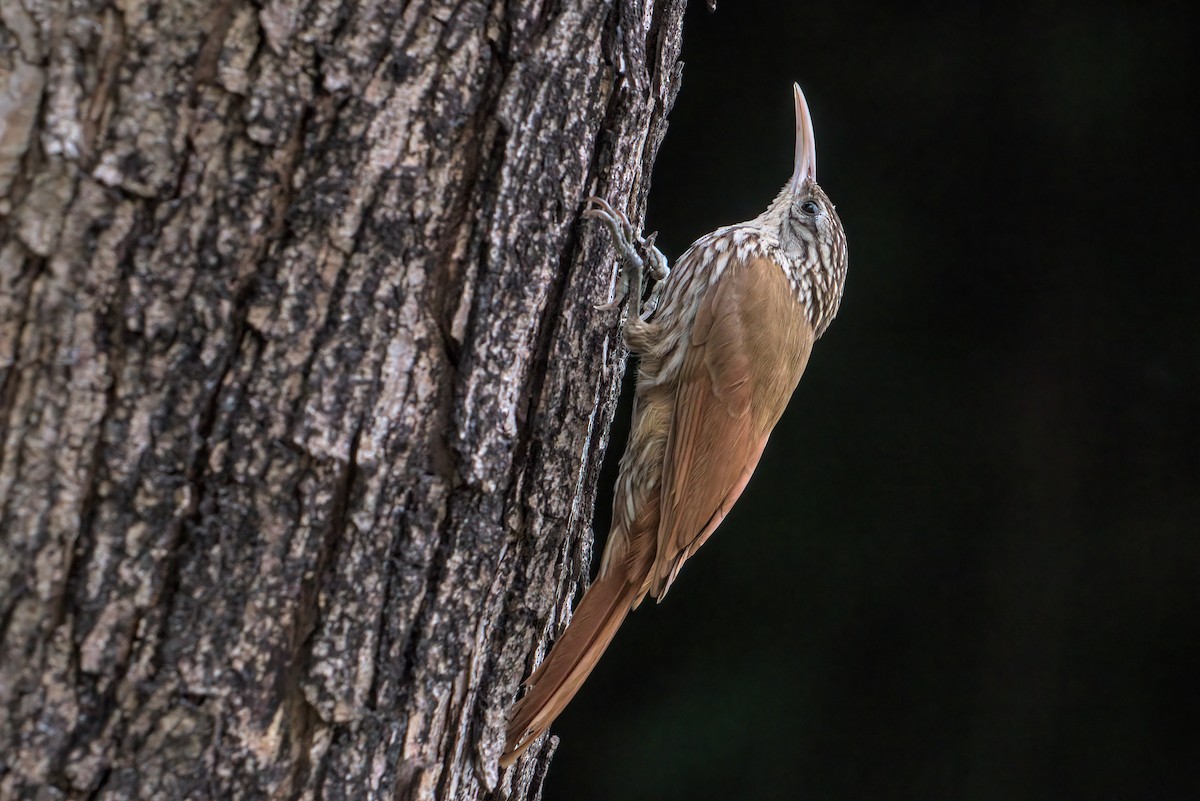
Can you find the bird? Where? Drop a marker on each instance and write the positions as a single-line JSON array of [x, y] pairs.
[[726, 337]]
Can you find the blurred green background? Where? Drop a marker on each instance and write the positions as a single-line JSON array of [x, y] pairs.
[[967, 567]]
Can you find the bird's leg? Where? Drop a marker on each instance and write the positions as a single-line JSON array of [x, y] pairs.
[[658, 269], [628, 242]]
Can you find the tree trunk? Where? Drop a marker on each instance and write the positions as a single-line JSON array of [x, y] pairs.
[[302, 392]]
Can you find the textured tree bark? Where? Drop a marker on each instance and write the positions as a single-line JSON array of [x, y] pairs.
[[302, 394]]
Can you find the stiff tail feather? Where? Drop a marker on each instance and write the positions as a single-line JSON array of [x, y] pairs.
[[562, 673]]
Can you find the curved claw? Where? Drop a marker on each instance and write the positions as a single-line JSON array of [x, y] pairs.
[[616, 220], [604, 209], [627, 243]]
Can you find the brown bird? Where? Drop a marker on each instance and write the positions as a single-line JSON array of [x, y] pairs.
[[719, 358]]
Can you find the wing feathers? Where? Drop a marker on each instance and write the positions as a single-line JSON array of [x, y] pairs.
[[749, 343]]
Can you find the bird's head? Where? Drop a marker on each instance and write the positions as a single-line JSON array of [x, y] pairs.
[[809, 230]]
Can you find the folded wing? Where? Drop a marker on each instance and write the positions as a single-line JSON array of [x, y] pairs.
[[749, 345]]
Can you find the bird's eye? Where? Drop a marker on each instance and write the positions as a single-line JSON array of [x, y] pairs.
[[808, 207]]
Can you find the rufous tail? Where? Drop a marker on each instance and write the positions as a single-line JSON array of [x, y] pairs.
[[562, 673]]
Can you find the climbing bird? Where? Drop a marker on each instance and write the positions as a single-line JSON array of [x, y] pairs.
[[719, 358]]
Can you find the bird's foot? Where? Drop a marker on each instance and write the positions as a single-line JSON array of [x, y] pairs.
[[628, 243]]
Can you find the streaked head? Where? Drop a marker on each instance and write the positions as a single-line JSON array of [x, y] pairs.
[[809, 229]]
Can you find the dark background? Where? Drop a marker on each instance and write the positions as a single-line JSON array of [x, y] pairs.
[[967, 567]]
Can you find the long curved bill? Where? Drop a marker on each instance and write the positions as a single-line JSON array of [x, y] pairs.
[[806, 144]]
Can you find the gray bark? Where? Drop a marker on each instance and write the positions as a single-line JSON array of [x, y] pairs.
[[302, 394]]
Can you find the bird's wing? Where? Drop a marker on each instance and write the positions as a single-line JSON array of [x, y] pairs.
[[748, 346]]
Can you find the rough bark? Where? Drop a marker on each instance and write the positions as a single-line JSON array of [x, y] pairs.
[[302, 394]]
